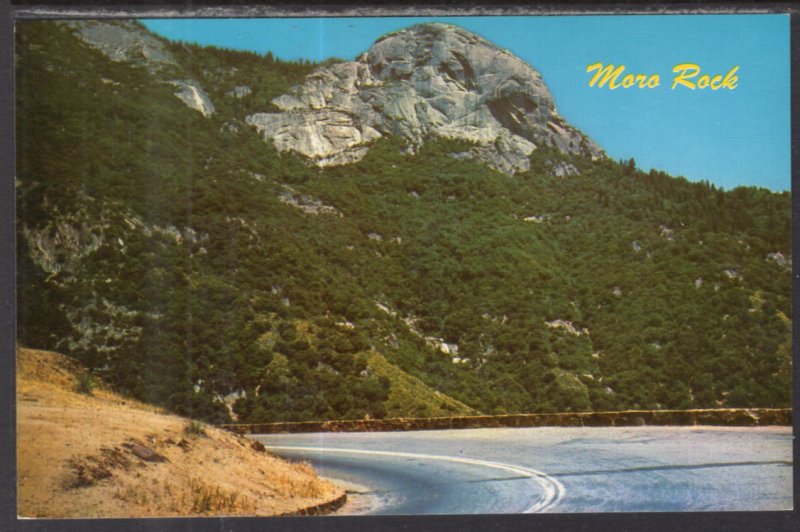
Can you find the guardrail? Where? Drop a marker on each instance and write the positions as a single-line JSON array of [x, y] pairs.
[[731, 417]]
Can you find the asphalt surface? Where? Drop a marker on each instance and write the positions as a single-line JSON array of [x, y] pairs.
[[632, 469]]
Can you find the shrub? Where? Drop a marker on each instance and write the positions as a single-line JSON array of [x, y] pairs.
[[195, 428], [85, 383]]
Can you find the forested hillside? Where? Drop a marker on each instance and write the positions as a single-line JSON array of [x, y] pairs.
[[191, 265]]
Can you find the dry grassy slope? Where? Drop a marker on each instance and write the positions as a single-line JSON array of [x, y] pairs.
[[409, 396], [77, 457]]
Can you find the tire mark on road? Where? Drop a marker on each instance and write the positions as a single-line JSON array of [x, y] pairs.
[[669, 468]]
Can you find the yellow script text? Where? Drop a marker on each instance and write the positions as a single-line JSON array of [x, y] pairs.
[[615, 79], [687, 72]]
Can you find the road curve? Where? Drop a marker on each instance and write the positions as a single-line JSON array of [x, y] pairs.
[[552, 469], [541, 494]]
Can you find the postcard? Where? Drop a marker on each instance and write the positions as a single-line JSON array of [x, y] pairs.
[[394, 265]]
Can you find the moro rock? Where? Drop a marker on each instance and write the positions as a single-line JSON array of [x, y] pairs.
[[427, 81]]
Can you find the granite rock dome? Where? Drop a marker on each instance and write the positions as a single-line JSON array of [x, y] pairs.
[[426, 81]]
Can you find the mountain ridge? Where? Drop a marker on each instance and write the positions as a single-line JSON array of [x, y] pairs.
[[189, 263]]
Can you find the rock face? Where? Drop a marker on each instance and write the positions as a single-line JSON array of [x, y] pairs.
[[193, 95], [124, 41], [427, 81], [129, 42]]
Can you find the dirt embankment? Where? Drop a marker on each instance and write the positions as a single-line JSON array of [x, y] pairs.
[[104, 455]]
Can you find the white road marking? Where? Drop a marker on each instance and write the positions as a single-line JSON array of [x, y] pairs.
[[552, 489]]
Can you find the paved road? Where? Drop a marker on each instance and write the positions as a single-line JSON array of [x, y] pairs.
[[632, 469]]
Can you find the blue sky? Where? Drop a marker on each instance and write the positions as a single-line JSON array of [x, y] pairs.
[[729, 137]]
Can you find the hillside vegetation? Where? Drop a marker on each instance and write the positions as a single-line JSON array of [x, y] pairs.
[[84, 451], [188, 264]]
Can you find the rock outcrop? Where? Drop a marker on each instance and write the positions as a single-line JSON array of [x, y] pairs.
[[124, 41], [129, 42], [427, 81], [193, 95], [239, 91]]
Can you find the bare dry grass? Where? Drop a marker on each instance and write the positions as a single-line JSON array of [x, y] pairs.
[[81, 455], [410, 397]]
